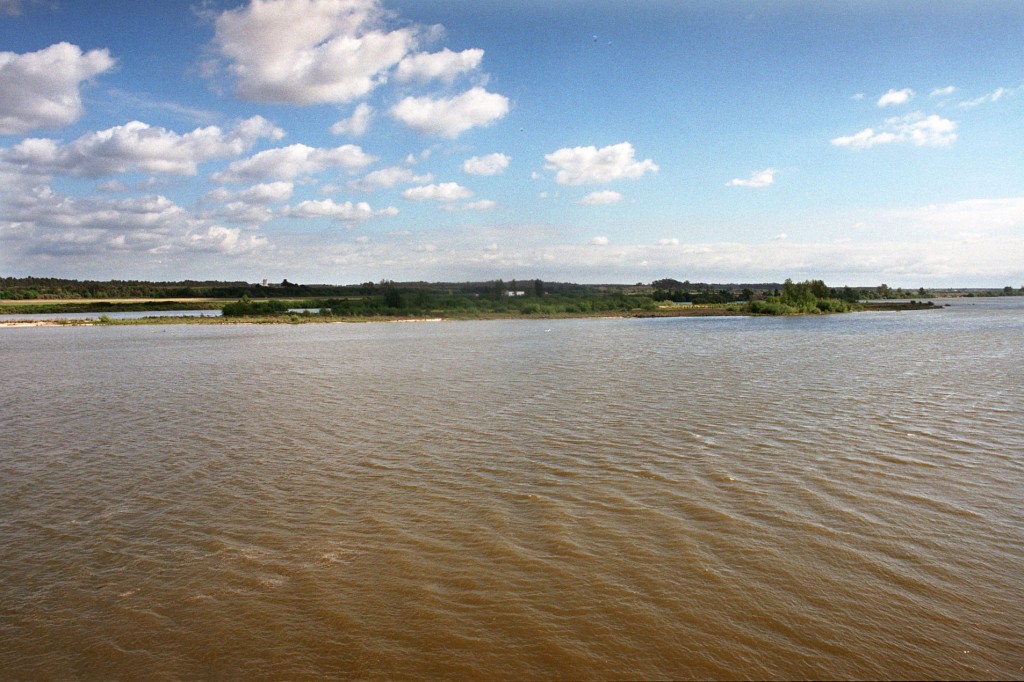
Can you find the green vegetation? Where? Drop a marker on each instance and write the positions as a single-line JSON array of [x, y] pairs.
[[288, 302], [810, 297], [31, 308], [416, 301], [245, 307]]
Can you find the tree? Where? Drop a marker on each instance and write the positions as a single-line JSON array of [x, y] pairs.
[[818, 289], [392, 296]]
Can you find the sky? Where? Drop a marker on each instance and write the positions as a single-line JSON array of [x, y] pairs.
[[595, 141]]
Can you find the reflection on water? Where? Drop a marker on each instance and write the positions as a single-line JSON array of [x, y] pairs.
[[821, 497]]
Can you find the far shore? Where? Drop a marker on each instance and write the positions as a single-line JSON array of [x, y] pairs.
[[101, 320], [674, 311]]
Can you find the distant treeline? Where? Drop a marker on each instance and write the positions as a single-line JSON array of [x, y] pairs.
[[394, 300], [464, 300], [28, 288]]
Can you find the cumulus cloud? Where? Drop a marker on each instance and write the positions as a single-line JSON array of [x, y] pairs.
[[386, 178], [347, 212], [601, 198], [757, 179], [942, 92], [47, 209], [916, 129], [444, 192], [248, 205], [668, 242], [450, 117], [309, 51], [225, 240], [491, 164], [444, 65], [267, 193], [42, 89], [895, 97], [357, 124], [293, 161], [137, 146], [588, 165], [599, 241], [50, 224], [241, 212]]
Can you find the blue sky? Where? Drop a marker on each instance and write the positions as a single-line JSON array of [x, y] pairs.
[[340, 141]]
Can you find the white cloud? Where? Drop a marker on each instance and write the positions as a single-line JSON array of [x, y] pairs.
[[585, 165], [668, 242], [248, 205], [267, 193], [241, 212], [482, 205], [444, 192], [293, 161], [53, 225], [386, 178], [896, 97], [599, 241], [491, 164], [942, 92], [602, 198], [450, 117], [309, 51], [916, 129], [756, 180], [41, 89], [781, 237], [137, 146], [226, 240], [991, 97], [347, 211], [357, 124], [444, 65]]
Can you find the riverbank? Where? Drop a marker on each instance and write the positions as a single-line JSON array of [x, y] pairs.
[[733, 310], [313, 318]]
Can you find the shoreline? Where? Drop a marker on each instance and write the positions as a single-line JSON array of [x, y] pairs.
[[318, 319], [293, 319]]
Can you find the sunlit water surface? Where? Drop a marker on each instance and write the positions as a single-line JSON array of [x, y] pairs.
[[817, 497]]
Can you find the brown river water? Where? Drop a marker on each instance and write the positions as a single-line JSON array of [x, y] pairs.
[[733, 498]]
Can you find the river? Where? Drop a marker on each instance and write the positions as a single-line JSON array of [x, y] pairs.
[[689, 498]]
